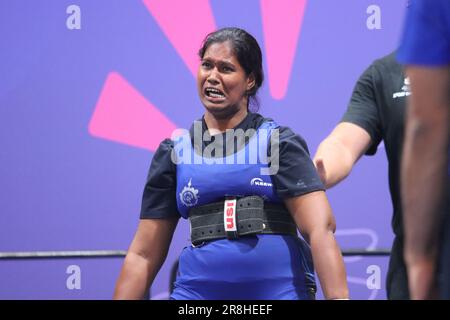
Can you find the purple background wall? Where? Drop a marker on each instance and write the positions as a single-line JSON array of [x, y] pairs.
[[82, 110]]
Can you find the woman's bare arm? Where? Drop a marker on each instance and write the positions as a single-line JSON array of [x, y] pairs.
[[145, 257], [314, 218]]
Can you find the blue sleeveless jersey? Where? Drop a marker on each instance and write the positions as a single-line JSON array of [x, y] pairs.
[[264, 266]]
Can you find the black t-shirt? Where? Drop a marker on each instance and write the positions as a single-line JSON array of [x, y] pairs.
[[159, 196], [378, 106]]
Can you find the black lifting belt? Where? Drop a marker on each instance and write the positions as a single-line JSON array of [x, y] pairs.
[[251, 216]]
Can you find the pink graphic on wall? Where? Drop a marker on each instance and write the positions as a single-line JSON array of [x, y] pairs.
[[282, 22], [185, 24], [124, 115]]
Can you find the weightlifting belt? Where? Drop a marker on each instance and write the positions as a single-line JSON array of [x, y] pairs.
[[233, 218]]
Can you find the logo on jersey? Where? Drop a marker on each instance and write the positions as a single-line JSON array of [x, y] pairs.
[[229, 215], [189, 195], [259, 182], [406, 90]]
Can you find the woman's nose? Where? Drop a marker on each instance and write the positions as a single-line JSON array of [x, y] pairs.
[[212, 80], [213, 76]]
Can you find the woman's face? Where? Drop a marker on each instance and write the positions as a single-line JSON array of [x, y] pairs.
[[222, 82]]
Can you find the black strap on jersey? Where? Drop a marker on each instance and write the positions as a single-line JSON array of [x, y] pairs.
[[253, 216]]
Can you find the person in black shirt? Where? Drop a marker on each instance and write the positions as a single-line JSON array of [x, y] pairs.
[[269, 263], [375, 113]]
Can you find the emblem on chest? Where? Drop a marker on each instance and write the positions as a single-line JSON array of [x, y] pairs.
[[189, 195]]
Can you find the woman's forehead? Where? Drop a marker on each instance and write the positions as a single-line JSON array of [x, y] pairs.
[[220, 51]]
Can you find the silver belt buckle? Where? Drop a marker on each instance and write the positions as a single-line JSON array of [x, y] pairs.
[[201, 244]]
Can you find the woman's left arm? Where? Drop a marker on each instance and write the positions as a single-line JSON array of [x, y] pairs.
[[314, 218]]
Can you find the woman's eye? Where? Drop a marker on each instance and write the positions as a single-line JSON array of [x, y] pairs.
[[227, 69], [206, 64]]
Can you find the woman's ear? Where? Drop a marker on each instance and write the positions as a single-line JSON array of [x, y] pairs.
[[251, 82]]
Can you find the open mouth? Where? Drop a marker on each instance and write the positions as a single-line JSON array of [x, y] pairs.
[[214, 93]]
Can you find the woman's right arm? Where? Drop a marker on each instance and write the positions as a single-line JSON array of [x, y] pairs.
[[145, 257]]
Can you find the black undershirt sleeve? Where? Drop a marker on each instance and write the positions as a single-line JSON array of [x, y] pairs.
[[159, 196], [296, 175]]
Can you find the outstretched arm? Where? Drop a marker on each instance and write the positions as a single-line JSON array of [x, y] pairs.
[[338, 153], [424, 173], [314, 218], [145, 257]]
